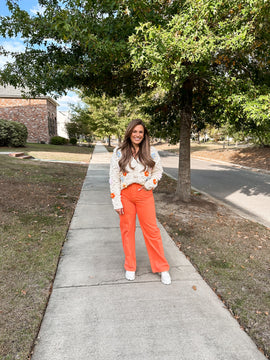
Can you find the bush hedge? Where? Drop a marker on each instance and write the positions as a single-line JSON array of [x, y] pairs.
[[58, 140], [12, 133], [73, 141]]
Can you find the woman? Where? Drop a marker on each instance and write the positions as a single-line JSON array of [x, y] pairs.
[[134, 173]]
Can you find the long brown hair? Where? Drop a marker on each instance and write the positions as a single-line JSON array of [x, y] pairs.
[[144, 148]]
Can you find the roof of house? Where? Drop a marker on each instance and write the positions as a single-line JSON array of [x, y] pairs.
[[9, 91]]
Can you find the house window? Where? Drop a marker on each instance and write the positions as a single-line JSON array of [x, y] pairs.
[[52, 125]]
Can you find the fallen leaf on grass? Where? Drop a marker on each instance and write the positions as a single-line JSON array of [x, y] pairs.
[[24, 292]]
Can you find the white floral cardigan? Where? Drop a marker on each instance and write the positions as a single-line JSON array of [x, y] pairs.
[[119, 180]]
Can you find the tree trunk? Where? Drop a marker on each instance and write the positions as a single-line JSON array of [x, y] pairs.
[[183, 189], [109, 140]]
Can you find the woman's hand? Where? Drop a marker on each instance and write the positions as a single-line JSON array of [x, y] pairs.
[[120, 211]]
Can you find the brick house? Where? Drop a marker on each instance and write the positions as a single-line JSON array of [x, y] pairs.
[[38, 114]]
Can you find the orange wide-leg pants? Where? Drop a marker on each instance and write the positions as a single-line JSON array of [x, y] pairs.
[[141, 202]]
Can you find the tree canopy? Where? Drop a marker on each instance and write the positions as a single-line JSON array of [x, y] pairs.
[[77, 44], [209, 57], [208, 51]]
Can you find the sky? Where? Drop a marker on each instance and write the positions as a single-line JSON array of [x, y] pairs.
[[16, 44]]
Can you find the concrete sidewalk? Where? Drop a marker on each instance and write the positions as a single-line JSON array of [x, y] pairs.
[[94, 313]]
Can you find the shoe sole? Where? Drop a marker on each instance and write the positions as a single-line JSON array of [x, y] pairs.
[[166, 283]]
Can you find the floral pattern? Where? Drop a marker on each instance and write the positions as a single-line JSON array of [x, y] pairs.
[[139, 175]]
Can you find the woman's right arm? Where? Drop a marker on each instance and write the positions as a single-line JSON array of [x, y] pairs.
[[115, 183]]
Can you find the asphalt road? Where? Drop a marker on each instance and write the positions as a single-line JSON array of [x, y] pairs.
[[245, 190]]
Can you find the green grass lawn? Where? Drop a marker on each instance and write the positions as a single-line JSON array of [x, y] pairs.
[[55, 152], [48, 148], [37, 201]]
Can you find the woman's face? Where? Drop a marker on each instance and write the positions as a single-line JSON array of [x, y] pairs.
[[137, 135]]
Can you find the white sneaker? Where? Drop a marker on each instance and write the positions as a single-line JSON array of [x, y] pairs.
[[130, 275], [165, 278]]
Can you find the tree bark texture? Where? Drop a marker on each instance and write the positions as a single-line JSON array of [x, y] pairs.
[[183, 189]]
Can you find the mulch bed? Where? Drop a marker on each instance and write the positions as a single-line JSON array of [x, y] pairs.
[[252, 156]]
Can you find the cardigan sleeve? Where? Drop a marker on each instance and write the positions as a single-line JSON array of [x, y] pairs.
[[156, 173], [115, 184]]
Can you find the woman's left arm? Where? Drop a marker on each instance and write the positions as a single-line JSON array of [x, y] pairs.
[[156, 172], [115, 183]]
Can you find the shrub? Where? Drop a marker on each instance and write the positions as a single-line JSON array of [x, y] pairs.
[[12, 133], [73, 141], [58, 140], [72, 129]]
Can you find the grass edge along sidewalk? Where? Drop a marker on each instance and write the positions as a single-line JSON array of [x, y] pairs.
[[37, 203]]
